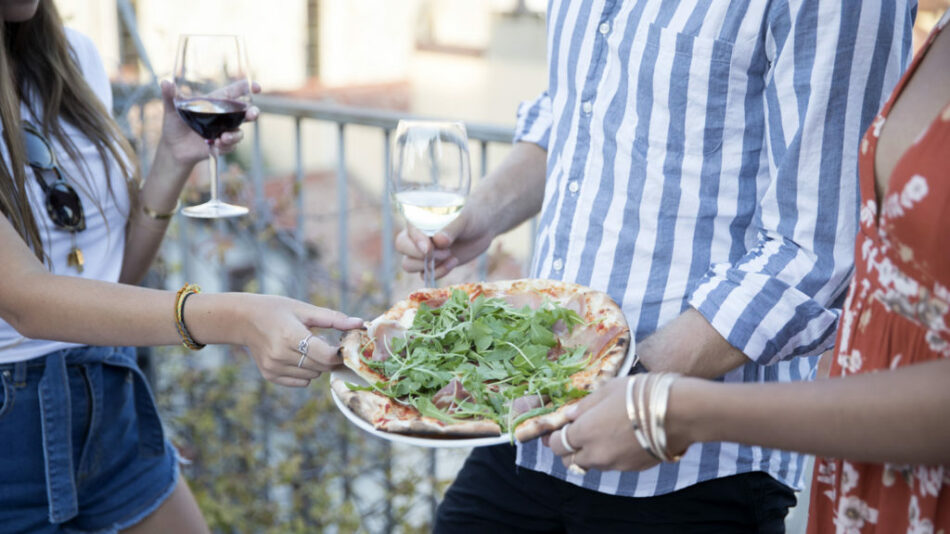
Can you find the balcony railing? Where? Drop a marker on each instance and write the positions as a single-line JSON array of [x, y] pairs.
[[332, 451]]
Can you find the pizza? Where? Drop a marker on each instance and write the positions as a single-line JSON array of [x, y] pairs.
[[483, 359]]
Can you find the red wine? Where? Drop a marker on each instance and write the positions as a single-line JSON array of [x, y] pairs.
[[211, 117]]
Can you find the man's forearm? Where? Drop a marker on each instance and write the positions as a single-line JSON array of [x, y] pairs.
[[514, 191], [691, 346]]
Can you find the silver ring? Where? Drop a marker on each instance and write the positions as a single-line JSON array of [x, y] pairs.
[[304, 346], [564, 443], [302, 358], [575, 469]]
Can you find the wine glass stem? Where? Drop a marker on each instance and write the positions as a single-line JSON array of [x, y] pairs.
[[428, 269], [213, 169]]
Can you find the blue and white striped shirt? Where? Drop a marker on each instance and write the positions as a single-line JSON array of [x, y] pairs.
[[703, 153]]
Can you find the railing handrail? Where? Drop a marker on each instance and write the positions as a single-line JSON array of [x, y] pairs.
[[380, 118]]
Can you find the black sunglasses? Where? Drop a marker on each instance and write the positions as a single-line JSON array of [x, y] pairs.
[[62, 201]]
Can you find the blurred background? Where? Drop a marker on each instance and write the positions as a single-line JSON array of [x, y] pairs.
[[337, 76]]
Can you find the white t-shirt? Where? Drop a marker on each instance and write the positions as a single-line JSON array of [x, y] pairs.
[[103, 241]]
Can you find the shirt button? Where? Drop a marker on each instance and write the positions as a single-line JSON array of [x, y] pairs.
[[558, 264], [587, 107], [573, 186], [604, 28]]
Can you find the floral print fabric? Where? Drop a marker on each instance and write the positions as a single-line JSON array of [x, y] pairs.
[[897, 313]]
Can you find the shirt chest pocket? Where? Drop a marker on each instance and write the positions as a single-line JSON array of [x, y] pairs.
[[690, 91]]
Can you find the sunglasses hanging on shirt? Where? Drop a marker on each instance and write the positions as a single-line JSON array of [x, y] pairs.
[[62, 201]]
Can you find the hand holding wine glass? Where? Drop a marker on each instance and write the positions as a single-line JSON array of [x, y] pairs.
[[431, 177], [213, 93]]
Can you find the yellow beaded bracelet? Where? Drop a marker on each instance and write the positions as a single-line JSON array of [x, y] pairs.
[[186, 291]]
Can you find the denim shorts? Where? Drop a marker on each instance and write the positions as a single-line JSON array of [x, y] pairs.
[[81, 445]]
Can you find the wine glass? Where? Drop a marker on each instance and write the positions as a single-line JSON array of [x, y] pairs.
[[213, 92], [431, 176]]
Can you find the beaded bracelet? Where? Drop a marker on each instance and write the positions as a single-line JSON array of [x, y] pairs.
[[186, 291]]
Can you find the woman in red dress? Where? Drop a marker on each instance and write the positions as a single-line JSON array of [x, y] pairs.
[[886, 407]]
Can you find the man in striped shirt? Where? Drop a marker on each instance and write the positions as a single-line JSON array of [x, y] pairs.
[[697, 160]]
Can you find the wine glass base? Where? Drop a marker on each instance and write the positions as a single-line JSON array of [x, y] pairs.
[[214, 209]]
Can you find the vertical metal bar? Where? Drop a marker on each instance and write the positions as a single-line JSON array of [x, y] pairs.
[[386, 276], [343, 207], [300, 288], [145, 162], [433, 484], [482, 170], [257, 181], [127, 13]]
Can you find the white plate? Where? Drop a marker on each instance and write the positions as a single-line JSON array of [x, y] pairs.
[[348, 375]]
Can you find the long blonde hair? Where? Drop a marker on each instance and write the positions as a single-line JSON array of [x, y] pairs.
[[37, 61]]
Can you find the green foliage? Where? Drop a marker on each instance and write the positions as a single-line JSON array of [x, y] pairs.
[[269, 459]]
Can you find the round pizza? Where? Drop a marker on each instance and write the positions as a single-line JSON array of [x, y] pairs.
[[483, 359]]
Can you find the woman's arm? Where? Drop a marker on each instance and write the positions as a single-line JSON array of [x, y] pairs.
[[41, 305], [178, 151], [896, 416]]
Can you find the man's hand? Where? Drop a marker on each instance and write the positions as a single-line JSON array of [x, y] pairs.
[[461, 241]]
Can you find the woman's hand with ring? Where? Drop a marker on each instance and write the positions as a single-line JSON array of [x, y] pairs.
[[601, 435], [273, 328]]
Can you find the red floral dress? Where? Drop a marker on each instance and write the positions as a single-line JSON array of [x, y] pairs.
[[897, 314]]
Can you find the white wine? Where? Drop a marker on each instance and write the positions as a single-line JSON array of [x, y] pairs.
[[430, 211]]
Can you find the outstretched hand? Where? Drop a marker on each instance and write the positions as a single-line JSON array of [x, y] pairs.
[[186, 146], [278, 325]]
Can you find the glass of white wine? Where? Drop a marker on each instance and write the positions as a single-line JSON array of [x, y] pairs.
[[431, 176]]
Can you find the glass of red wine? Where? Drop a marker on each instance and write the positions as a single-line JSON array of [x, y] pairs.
[[213, 93]]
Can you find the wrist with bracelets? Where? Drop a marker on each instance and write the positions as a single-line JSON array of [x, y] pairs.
[[647, 401], [187, 340]]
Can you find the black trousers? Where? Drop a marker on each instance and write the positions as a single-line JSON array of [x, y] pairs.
[[492, 495]]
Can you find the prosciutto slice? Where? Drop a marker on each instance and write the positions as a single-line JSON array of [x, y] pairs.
[[595, 339], [527, 403], [383, 332], [449, 396]]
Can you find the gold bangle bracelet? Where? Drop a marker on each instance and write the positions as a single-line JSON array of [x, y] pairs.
[[158, 216], [186, 291]]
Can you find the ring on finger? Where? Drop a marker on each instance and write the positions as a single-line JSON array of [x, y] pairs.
[[564, 443], [302, 358], [304, 346]]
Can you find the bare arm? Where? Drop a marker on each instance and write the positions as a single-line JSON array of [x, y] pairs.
[[42, 305], [897, 416], [503, 199], [691, 346], [178, 151]]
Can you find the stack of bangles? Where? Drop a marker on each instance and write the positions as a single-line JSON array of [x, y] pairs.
[[648, 396], [186, 291]]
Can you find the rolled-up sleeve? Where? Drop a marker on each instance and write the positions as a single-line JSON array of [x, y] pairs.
[[534, 121], [828, 75]]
